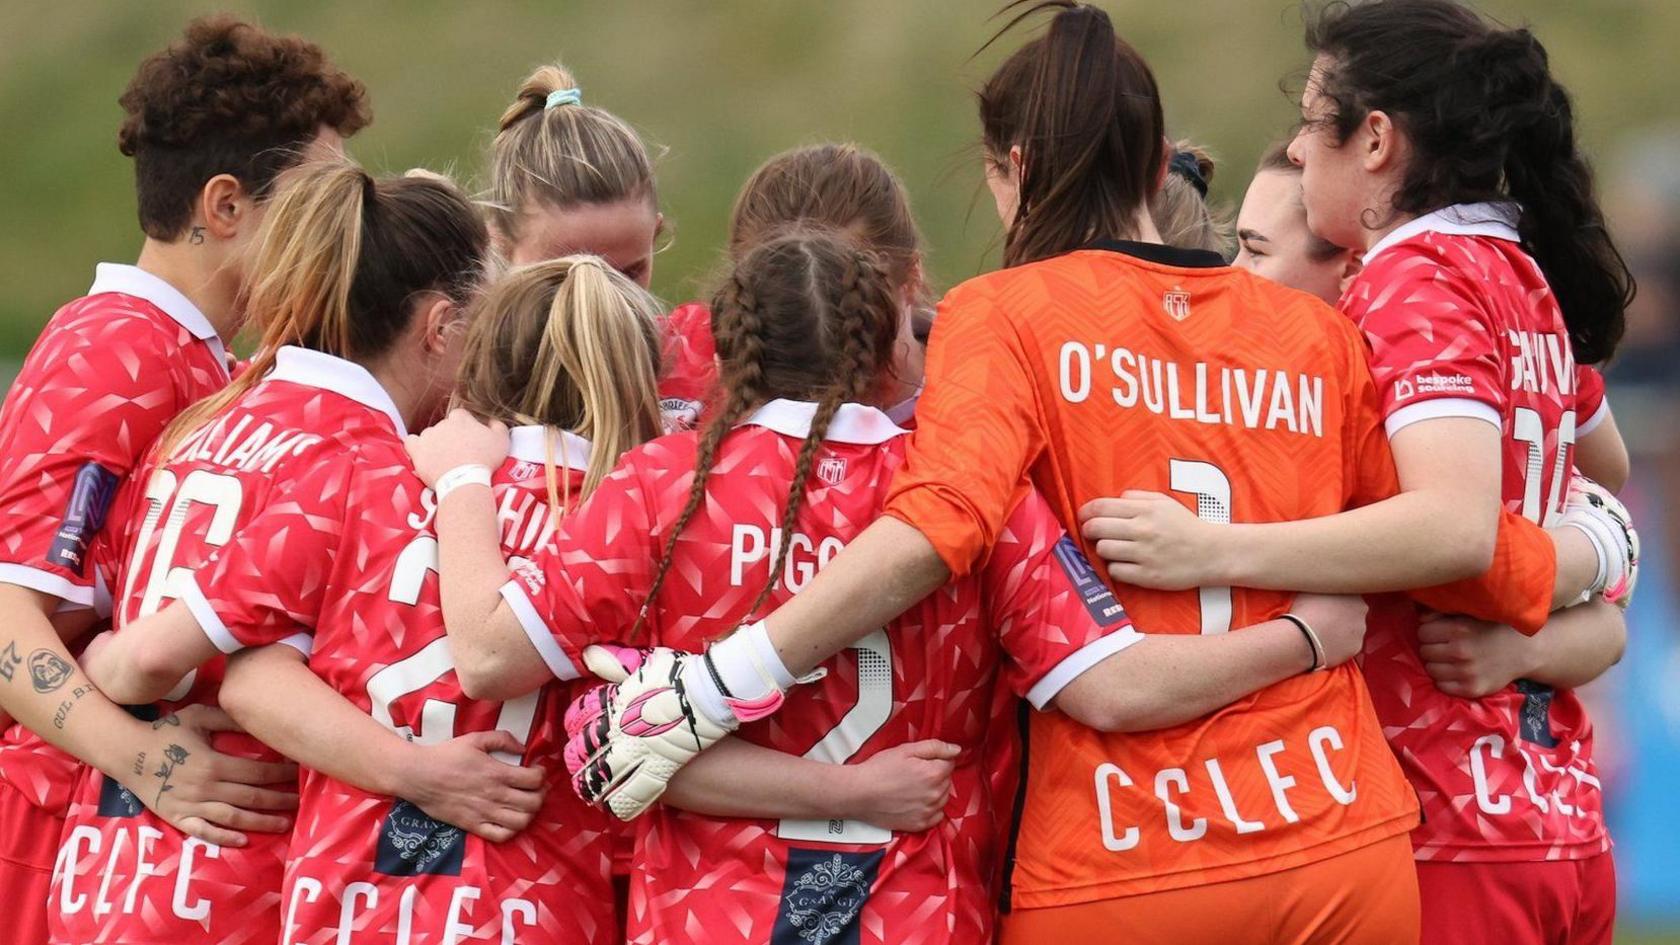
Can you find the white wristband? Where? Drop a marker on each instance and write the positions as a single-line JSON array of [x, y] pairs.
[[471, 474]]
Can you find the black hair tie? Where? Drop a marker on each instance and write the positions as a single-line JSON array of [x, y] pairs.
[[1184, 164]]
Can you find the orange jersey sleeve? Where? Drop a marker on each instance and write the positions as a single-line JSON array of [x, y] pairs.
[[1516, 590], [977, 431]]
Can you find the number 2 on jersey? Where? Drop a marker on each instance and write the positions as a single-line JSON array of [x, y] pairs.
[[857, 726]]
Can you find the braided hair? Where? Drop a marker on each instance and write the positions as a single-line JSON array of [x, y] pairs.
[[805, 315]]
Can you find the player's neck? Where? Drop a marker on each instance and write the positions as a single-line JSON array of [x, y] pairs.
[[194, 273], [409, 388]]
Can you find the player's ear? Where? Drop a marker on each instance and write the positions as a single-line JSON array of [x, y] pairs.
[[1381, 143], [1351, 267], [223, 208], [440, 318]]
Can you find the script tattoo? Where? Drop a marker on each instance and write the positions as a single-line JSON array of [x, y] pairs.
[[174, 756], [63, 713], [140, 764], [9, 661], [48, 671]]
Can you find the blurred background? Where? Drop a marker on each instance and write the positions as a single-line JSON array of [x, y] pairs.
[[718, 85]]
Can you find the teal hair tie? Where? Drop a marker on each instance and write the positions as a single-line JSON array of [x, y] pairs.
[[560, 97]]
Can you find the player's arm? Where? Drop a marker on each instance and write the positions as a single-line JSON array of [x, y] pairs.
[[900, 788], [272, 693], [211, 796], [148, 658], [1169, 679], [1474, 658], [1602, 455]]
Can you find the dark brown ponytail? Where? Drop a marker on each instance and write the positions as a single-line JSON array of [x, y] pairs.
[[1486, 122], [1082, 106]]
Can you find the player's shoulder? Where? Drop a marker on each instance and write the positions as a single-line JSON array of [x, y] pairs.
[[110, 326]]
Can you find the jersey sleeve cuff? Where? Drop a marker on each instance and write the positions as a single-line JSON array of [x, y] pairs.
[[553, 656], [302, 642], [39, 579], [1438, 409], [1052, 683], [199, 606], [1592, 423]]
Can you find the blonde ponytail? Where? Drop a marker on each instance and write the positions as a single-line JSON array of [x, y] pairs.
[[570, 344], [305, 261]]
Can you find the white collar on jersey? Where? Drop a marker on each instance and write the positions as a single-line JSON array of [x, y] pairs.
[[852, 423], [347, 378], [530, 444], [1493, 220], [132, 280]]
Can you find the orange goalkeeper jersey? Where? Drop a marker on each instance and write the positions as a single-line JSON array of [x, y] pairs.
[[1136, 366]]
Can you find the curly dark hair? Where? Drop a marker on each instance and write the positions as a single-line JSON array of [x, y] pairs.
[[227, 98]]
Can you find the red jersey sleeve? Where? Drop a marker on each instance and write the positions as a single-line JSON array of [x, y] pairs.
[[76, 424], [590, 583], [269, 583], [978, 430], [1434, 353], [690, 375], [1591, 406], [1054, 615]]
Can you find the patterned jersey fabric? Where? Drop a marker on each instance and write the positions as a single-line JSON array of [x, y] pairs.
[[110, 370], [1129, 366], [690, 378], [1031, 620], [1462, 324], [264, 486], [379, 869]]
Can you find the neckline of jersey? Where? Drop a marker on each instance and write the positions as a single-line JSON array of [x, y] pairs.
[[1161, 254]]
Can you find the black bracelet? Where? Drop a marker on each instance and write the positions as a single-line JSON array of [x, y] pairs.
[[1313, 644], [717, 678]]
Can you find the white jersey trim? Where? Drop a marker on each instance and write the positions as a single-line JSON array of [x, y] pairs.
[[1592, 423], [46, 582], [302, 642], [297, 365], [132, 280], [208, 620], [1436, 409], [853, 423], [530, 444], [1052, 683], [1491, 220], [538, 633]]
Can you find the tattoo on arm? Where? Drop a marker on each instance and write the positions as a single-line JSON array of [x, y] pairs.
[[174, 756], [9, 661], [140, 765], [170, 719], [63, 714], [48, 671]]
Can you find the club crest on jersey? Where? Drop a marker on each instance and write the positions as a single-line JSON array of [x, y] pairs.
[[522, 471], [1176, 302], [414, 844], [832, 470], [822, 897]]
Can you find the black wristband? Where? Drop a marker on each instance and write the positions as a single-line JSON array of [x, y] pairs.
[[717, 678], [1312, 641]]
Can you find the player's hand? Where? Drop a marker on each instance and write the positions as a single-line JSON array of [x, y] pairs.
[[204, 793], [626, 740], [1602, 517], [457, 440], [1339, 621], [476, 783], [1151, 540], [904, 787], [1472, 658]]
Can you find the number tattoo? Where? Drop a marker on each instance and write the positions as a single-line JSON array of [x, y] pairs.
[[9, 661]]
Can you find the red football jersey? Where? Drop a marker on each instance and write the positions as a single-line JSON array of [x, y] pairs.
[[378, 869], [108, 373], [690, 377], [1035, 617], [293, 443], [1462, 324]]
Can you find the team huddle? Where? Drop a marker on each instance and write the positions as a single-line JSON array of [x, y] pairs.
[[1176, 582]]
